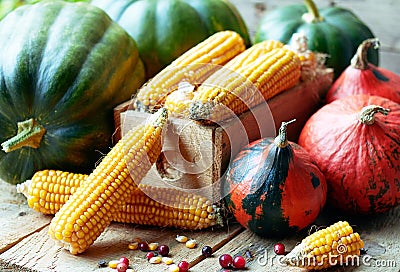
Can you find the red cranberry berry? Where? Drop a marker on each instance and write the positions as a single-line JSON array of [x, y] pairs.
[[122, 267], [150, 255], [163, 250], [225, 260], [143, 246], [124, 260], [239, 262], [183, 266], [279, 249]]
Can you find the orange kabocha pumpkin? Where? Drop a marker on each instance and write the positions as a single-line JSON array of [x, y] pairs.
[[355, 141], [362, 77], [274, 187]]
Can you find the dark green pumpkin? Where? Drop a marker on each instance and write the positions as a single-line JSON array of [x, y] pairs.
[[164, 29], [63, 69], [334, 30], [273, 187]]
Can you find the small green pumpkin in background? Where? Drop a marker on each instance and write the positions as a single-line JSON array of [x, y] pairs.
[[334, 30], [164, 29], [63, 68]]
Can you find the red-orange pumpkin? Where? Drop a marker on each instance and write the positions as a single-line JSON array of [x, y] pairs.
[[273, 187], [361, 77], [356, 144]]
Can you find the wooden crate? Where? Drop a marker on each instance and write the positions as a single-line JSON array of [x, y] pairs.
[[196, 156]]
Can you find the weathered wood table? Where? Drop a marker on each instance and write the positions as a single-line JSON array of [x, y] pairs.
[[25, 245]]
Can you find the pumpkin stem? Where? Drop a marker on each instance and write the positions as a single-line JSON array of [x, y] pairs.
[[29, 133], [359, 61], [281, 140], [312, 16], [367, 114]]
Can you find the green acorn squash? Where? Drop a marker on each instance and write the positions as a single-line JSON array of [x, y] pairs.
[[63, 69], [334, 30], [164, 29]]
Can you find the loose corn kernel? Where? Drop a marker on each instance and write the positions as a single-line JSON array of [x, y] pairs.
[[191, 243], [181, 238], [173, 268], [167, 260], [113, 264], [155, 260], [153, 246]]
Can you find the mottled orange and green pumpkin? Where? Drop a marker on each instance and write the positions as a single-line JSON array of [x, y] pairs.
[[355, 141], [273, 187]]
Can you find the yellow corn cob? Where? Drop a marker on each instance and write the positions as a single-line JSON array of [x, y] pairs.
[[334, 245], [227, 94], [252, 53], [48, 190], [191, 67], [90, 209], [178, 102]]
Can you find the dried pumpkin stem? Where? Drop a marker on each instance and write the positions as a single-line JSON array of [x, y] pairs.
[[312, 16], [29, 133], [359, 61], [281, 140], [367, 114]]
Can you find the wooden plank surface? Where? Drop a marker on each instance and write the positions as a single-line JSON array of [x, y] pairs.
[[29, 248]]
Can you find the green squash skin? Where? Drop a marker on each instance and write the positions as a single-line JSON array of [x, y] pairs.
[[165, 29], [338, 35], [67, 66]]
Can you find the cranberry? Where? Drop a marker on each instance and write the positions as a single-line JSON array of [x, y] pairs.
[[124, 260], [143, 246], [183, 266], [150, 255], [207, 251], [122, 267], [225, 260], [239, 262], [279, 249], [163, 250]]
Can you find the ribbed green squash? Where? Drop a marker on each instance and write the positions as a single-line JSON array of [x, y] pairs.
[[164, 29], [333, 30], [7, 6], [63, 69]]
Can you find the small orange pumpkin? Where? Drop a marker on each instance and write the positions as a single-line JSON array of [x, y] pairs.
[[355, 141], [362, 77]]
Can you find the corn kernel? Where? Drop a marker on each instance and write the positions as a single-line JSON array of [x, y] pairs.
[[181, 238], [191, 243], [113, 264], [155, 260], [167, 260], [153, 246]]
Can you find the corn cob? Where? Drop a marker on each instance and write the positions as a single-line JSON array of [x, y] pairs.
[[178, 102], [89, 210], [227, 94], [252, 53], [336, 244], [48, 190], [191, 67]]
